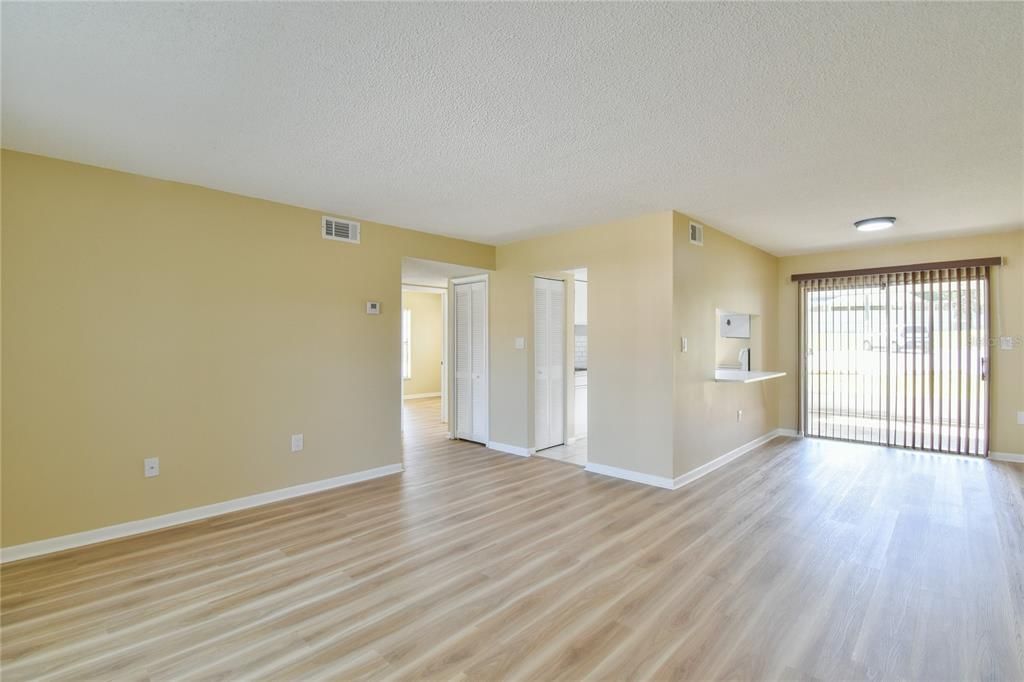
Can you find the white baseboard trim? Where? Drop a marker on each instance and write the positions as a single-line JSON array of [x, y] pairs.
[[413, 396], [690, 476], [718, 462], [572, 439], [121, 530], [510, 449], [629, 475], [791, 433], [1006, 456]]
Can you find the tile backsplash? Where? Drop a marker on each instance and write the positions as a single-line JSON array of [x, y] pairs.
[[580, 355]]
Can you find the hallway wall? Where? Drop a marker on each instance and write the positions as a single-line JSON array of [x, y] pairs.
[[427, 333]]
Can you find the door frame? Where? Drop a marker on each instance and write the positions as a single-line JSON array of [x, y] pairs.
[[470, 279]]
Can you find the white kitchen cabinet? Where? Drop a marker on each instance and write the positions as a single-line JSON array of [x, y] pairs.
[[580, 406]]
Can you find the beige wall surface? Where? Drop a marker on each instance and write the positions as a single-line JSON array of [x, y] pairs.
[[629, 269], [144, 318], [426, 336], [1007, 300], [730, 275]]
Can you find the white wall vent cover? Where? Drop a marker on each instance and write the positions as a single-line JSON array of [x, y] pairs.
[[696, 234], [340, 230]]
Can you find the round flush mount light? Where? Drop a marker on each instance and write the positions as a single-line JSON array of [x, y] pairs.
[[874, 224]]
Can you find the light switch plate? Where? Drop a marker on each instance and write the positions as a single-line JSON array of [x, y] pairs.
[[151, 467], [373, 308], [683, 344], [296, 442], [520, 343]]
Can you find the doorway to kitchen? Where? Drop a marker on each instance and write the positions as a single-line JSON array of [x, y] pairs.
[[560, 366]]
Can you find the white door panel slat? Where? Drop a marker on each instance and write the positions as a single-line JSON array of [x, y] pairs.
[[549, 362]]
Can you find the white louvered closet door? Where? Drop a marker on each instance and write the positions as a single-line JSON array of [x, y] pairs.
[[478, 352], [463, 382], [549, 362], [471, 387]]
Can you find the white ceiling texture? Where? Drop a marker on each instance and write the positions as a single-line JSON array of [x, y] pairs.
[[428, 273], [780, 123]]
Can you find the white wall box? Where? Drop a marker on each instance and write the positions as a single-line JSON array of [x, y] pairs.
[[733, 326]]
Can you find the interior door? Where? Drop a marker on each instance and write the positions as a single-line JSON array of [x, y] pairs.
[[471, 357], [549, 362]]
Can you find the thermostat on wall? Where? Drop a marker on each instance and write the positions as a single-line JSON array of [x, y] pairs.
[[372, 308]]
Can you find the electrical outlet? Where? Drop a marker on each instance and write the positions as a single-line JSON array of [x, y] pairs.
[[296, 442], [1005, 343], [151, 467], [520, 343], [683, 344], [739, 415]]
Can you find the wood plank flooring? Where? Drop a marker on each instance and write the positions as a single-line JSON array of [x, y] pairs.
[[804, 559]]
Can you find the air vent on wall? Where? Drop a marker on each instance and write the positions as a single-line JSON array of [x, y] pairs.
[[696, 234], [340, 230]]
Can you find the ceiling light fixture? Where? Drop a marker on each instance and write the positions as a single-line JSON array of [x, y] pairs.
[[874, 224]]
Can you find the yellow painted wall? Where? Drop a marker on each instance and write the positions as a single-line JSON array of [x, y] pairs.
[[629, 269], [149, 318], [1007, 299], [723, 274], [426, 336]]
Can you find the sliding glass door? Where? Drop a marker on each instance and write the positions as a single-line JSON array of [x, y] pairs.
[[897, 359]]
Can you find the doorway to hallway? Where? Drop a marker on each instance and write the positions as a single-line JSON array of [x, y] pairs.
[[428, 340]]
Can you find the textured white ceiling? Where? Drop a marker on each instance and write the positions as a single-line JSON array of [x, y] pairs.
[[778, 123], [429, 273]]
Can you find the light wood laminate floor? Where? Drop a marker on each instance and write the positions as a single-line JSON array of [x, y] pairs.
[[804, 559]]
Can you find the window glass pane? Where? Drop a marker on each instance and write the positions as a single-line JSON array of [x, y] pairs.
[[898, 359]]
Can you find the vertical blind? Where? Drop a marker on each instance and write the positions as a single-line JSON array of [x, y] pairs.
[[897, 358]]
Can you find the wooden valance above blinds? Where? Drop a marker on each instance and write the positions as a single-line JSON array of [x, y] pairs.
[[891, 269]]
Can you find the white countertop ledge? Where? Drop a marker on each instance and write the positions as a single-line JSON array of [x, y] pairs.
[[742, 377]]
